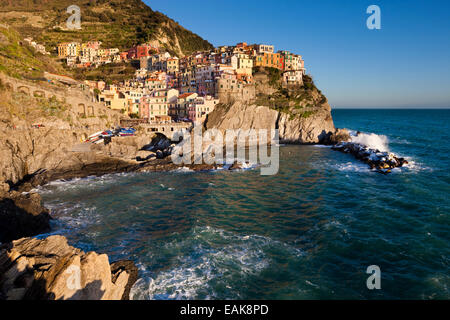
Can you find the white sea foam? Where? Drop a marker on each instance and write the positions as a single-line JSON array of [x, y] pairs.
[[183, 170], [87, 182], [207, 264], [372, 140], [352, 167], [414, 166]]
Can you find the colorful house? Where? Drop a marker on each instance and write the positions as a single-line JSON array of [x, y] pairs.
[[156, 105], [200, 107], [270, 60], [179, 110]]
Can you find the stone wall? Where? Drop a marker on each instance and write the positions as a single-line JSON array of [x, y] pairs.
[[230, 91], [83, 104]]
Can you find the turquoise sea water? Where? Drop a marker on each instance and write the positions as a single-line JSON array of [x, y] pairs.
[[309, 232]]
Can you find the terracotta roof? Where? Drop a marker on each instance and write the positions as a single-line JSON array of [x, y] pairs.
[[185, 95]]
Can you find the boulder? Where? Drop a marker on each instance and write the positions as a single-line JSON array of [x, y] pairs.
[[159, 142], [50, 269], [117, 268], [340, 135], [144, 155], [160, 154]]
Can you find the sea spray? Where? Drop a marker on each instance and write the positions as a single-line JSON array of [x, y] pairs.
[[372, 141]]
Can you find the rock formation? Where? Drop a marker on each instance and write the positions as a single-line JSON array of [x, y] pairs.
[[301, 114], [50, 269], [382, 162]]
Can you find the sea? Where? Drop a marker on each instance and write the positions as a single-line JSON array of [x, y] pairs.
[[316, 230]]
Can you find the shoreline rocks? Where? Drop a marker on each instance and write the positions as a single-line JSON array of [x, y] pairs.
[[382, 162], [50, 269]]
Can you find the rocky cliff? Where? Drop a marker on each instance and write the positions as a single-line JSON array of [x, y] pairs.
[[302, 114], [25, 150], [50, 269]]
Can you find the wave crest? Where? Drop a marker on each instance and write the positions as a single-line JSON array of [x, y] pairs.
[[372, 140]]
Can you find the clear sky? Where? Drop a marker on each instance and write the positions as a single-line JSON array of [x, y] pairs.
[[405, 64]]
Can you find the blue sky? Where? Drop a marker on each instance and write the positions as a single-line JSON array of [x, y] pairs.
[[405, 64]]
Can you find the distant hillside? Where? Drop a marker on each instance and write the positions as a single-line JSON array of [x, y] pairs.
[[117, 23]]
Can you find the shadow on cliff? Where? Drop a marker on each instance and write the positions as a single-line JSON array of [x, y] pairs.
[[19, 219], [26, 179]]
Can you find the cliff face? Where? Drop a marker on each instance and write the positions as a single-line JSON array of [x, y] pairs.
[[301, 114], [312, 130], [25, 150]]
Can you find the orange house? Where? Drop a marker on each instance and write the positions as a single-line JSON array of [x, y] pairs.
[[270, 60]]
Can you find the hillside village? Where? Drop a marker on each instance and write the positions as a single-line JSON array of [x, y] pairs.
[[170, 89]]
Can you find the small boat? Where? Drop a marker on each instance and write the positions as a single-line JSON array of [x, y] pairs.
[[95, 135], [127, 132], [107, 133]]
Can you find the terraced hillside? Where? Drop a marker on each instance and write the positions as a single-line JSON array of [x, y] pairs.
[[117, 23]]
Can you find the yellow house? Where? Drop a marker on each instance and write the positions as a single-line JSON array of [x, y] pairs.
[[114, 100], [172, 65], [242, 63]]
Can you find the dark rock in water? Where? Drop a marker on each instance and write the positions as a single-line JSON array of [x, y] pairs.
[[145, 155], [160, 142], [160, 154], [340, 135], [235, 166], [22, 215], [382, 162]]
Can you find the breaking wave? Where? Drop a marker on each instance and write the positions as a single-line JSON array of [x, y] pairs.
[[371, 140]]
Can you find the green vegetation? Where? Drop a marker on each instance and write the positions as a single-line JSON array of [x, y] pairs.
[[114, 72], [52, 106], [273, 74], [117, 23], [20, 60], [298, 102]]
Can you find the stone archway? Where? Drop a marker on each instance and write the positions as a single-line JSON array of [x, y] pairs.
[[24, 89], [82, 110], [90, 111]]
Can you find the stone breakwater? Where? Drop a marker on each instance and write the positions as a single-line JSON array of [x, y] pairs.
[[382, 162]]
